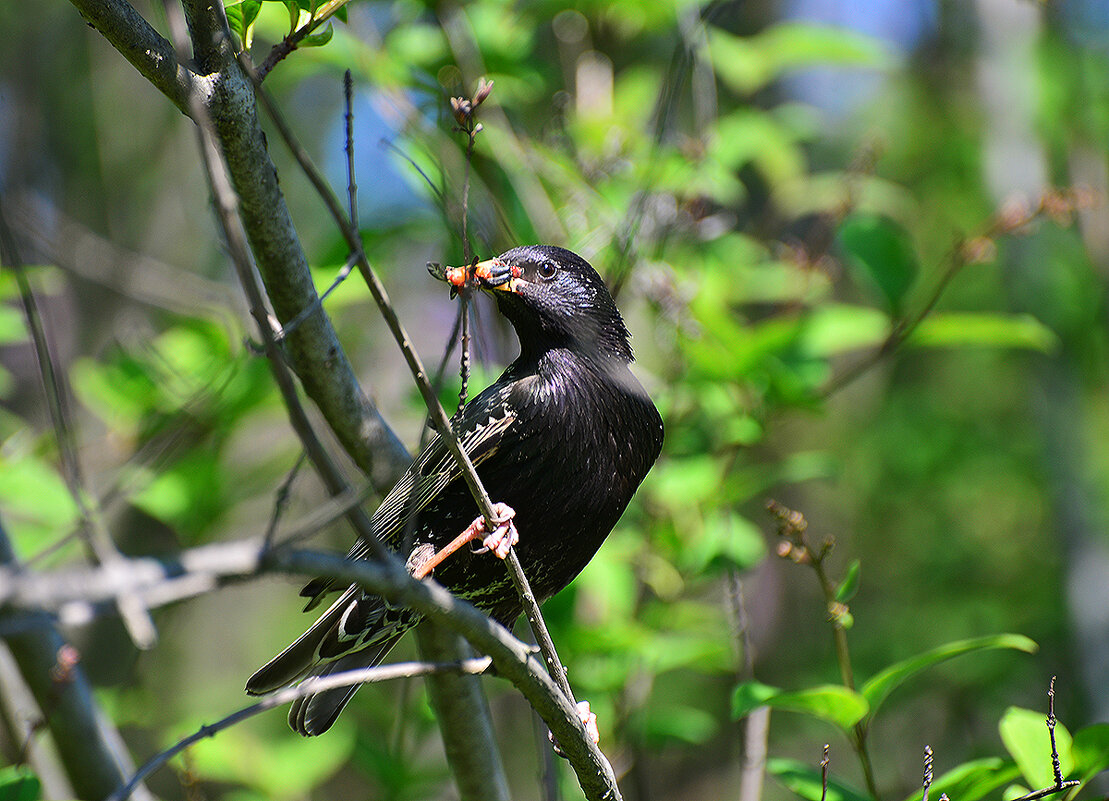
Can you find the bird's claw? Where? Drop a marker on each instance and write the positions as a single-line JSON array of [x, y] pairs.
[[588, 719], [504, 534]]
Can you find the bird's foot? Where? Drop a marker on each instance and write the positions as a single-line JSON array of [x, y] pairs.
[[499, 541], [588, 719], [504, 534]]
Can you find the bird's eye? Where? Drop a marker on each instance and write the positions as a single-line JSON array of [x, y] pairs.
[[547, 270]]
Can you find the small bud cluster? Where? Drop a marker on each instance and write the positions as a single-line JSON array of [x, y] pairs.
[[464, 107]]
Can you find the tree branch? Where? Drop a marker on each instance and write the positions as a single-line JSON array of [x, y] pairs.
[[463, 714], [313, 349], [90, 749], [147, 50], [215, 565], [380, 673]]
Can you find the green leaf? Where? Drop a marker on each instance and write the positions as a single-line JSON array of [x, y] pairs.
[[806, 782], [1091, 750], [835, 328], [13, 325], [886, 681], [319, 39], [882, 252], [747, 64], [17, 783], [945, 329], [294, 14], [1025, 735], [850, 584], [972, 780], [831, 702], [36, 502]]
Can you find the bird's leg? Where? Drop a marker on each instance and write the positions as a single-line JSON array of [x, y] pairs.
[[588, 719], [503, 537]]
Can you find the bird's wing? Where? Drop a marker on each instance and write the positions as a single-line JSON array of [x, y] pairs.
[[432, 471]]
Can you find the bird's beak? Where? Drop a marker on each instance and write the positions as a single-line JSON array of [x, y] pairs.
[[496, 274]]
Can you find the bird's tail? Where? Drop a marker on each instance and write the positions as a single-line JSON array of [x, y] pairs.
[[327, 647], [314, 714]]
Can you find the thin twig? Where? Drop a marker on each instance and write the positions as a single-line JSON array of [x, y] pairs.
[[281, 501], [315, 684], [317, 303], [136, 619], [227, 208], [352, 186], [1056, 766], [825, 761], [927, 783], [794, 545], [279, 51]]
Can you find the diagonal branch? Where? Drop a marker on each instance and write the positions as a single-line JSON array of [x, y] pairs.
[[380, 673], [224, 563], [91, 750], [147, 50]]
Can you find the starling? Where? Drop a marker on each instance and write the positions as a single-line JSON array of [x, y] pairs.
[[564, 437]]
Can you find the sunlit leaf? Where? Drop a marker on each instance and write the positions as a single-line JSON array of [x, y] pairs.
[[1026, 738], [835, 328], [36, 502], [18, 783], [972, 780], [878, 688], [831, 702], [13, 325], [805, 781], [946, 329]]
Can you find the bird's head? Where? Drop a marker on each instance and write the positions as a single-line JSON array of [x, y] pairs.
[[554, 298]]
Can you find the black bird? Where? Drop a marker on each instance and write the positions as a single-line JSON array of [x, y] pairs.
[[564, 437]]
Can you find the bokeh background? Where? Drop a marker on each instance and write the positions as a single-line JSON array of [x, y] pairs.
[[773, 188]]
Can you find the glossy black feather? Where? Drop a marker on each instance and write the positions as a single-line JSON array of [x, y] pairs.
[[564, 437]]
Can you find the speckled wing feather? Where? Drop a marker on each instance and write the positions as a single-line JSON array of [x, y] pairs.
[[432, 471], [358, 629]]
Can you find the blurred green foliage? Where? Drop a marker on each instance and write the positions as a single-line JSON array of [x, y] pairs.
[[764, 247]]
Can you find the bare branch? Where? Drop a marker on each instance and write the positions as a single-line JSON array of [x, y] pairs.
[[215, 565], [399, 670], [137, 619], [147, 50], [91, 750], [464, 718]]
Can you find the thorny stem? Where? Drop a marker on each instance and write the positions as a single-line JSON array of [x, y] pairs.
[[794, 545]]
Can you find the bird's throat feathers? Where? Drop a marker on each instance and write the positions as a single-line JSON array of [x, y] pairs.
[[599, 337]]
